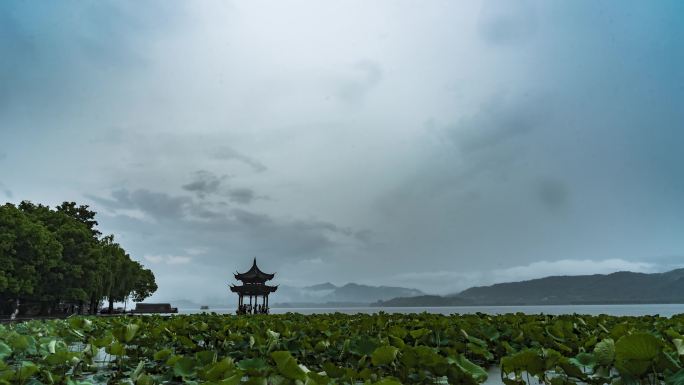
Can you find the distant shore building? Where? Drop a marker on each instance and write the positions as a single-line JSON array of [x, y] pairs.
[[254, 287]]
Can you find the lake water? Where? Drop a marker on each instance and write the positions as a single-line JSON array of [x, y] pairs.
[[665, 310]]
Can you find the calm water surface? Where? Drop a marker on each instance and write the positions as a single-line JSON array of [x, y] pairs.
[[665, 310]]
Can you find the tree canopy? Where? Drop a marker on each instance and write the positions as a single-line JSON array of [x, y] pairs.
[[57, 255]]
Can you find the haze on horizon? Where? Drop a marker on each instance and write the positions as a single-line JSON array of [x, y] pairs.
[[434, 145]]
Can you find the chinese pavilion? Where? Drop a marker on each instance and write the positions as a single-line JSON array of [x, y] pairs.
[[253, 286]]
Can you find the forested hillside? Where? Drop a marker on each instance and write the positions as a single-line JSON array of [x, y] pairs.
[[620, 287]]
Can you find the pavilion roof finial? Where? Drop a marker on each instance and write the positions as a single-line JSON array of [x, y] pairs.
[[254, 274]]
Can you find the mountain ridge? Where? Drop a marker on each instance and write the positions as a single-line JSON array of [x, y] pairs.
[[328, 293], [619, 287]]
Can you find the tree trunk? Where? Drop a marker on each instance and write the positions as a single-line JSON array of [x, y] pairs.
[[111, 305], [55, 307], [44, 308], [93, 304]]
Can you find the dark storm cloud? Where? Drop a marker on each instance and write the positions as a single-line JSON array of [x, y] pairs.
[[155, 204], [215, 225], [242, 195], [228, 153], [204, 183]]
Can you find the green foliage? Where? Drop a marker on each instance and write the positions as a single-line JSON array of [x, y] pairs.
[[604, 352], [343, 349], [384, 355], [635, 354], [287, 366], [676, 378], [48, 256], [5, 350]]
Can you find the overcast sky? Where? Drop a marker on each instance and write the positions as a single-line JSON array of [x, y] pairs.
[[427, 144]]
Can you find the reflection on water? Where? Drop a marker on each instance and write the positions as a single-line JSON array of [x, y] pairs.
[[665, 310]]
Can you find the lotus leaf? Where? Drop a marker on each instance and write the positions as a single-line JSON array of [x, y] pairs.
[[636, 353], [384, 355], [185, 367], [363, 346], [339, 348], [419, 333], [5, 350], [206, 357], [604, 352], [584, 360], [676, 378], [26, 370], [287, 366], [162, 355], [116, 349], [472, 372], [524, 361], [218, 370], [679, 346], [252, 365]]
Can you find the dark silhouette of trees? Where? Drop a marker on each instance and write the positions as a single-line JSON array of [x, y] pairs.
[[57, 261]]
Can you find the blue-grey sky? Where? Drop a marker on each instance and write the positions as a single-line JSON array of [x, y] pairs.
[[427, 144]]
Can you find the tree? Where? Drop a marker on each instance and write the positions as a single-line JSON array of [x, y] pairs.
[[145, 284], [82, 214], [54, 255], [28, 251]]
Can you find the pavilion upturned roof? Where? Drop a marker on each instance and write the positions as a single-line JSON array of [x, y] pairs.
[[253, 289], [254, 275]]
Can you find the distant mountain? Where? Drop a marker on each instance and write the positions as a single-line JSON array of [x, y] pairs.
[[328, 293], [307, 294], [183, 304], [353, 292], [321, 286], [621, 287]]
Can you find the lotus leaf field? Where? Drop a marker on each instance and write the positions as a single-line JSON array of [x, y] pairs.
[[384, 349]]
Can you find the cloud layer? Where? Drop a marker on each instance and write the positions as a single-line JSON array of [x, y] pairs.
[[383, 143]]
